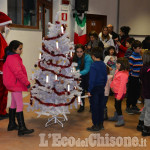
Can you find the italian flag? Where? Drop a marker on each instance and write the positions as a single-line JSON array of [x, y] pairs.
[[80, 30]]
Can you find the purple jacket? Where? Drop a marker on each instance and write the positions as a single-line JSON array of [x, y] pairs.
[[145, 78]]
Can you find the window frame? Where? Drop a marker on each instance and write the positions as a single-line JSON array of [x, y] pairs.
[[46, 4]]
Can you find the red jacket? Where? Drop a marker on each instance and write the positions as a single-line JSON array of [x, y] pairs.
[[3, 45], [14, 74], [122, 47], [119, 82]]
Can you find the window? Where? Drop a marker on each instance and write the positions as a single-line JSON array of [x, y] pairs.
[[30, 13]]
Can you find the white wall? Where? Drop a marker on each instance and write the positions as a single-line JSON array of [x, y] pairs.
[[3, 6], [136, 14]]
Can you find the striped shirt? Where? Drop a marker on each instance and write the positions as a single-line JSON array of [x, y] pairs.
[[135, 61]]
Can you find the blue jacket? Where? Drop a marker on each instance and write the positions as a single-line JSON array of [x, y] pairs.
[[87, 63], [98, 75], [135, 61]]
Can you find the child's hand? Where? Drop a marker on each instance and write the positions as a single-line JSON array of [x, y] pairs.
[[110, 69], [89, 94], [118, 43], [29, 89]]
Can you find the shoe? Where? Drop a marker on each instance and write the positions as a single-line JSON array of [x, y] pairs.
[[4, 116], [146, 131], [129, 111], [22, 127], [96, 128], [140, 126], [120, 121], [105, 114], [12, 124], [81, 109], [135, 110], [114, 118]]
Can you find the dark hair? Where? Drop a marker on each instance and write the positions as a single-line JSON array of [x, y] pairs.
[[107, 69], [125, 29], [136, 44], [146, 43], [103, 36], [124, 63], [130, 40], [111, 47], [75, 57], [146, 58], [97, 52], [12, 47], [93, 33]]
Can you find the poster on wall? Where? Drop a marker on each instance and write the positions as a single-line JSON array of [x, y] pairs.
[[64, 16]]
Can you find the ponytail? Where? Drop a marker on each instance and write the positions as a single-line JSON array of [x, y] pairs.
[[11, 48]]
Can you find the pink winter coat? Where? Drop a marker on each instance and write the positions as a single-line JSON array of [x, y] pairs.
[[119, 82], [14, 74]]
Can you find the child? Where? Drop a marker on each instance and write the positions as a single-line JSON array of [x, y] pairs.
[[107, 91], [97, 82], [15, 79], [129, 46], [135, 61], [144, 119], [84, 62], [110, 60], [118, 86]]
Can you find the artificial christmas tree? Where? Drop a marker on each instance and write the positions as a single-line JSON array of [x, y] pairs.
[[56, 80]]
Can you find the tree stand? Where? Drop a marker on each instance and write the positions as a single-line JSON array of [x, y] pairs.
[[56, 119]]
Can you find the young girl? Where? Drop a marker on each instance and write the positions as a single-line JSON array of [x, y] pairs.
[[110, 60], [107, 91], [144, 120], [15, 79], [84, 62], [118, 86], [124, 34]]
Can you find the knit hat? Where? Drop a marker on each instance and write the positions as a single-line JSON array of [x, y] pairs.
[[4, 19]]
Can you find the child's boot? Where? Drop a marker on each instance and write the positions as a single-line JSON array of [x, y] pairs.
[[114, 118], [146, 131], [12, 123], [22, 127], [120, 121], [140, 126]]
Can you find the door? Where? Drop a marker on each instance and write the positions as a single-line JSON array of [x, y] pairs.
[[96, 23]]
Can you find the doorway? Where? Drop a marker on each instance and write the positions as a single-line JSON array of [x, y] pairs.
[[95, 22]]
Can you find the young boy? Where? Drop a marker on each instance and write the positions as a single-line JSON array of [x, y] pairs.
[[135, 61], [97, 82], [129, 46]]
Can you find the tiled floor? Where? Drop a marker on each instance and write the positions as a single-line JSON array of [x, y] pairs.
[[75, 127]]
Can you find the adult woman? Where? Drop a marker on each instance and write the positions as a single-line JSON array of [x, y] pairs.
[[84, 62], [124, 31], [106, 39]]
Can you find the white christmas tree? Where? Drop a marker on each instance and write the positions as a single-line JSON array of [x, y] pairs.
[[56, 85]]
